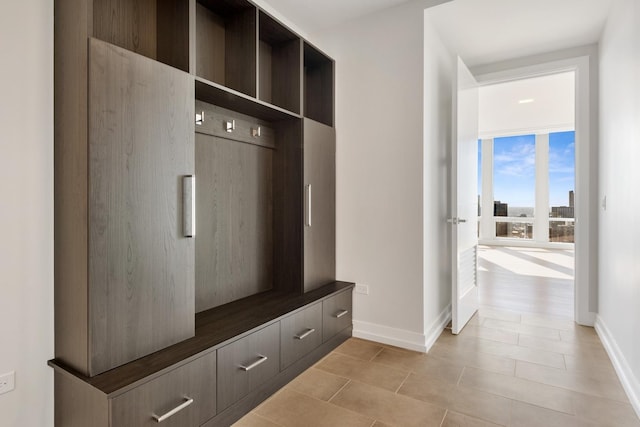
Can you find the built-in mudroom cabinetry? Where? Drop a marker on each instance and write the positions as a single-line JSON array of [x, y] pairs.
[[194, 211]]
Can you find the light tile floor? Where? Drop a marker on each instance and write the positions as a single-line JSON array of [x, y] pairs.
[[521, 361]]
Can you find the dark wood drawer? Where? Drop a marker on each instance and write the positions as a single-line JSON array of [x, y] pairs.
[[217, 120], [194, 381], [336, 314], [300, 333], [247, 363]]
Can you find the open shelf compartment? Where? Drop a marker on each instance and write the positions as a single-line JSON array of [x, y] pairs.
[[157, 29], [280, 64], [226, 43], [318, 86]]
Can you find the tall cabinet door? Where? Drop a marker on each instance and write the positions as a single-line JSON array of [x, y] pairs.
[[141, 265], [319, 204]]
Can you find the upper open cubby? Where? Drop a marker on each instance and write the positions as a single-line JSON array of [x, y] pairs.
[[318, 85], [226, 43], [158, 29], [279, 65]]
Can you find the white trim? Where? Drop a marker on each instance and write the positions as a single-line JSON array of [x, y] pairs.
[[526, 243], [541, 206], [388, 335], [577, 60], [630, 383], [487, 227], [527, 131], [433, 331], [401, 337]]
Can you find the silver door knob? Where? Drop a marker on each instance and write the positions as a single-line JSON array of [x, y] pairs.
[[456, 220]]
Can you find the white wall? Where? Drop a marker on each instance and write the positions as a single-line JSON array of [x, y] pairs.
[[391, 182], [438, 109], [619, 313], [26, 215]]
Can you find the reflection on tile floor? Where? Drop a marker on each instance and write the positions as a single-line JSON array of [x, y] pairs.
[[521, 361]]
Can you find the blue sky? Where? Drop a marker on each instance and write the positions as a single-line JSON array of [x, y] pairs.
[[515, 169]]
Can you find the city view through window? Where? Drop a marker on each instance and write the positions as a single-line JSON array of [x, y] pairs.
[[514, 186]]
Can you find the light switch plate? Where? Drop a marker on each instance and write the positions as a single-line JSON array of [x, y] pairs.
[[7, 382]]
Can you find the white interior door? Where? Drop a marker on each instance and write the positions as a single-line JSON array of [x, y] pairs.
[[464, 200]]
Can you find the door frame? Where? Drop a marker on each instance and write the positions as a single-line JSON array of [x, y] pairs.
[[583, 62]]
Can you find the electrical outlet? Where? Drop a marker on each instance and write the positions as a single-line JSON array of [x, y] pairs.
[[362, 289], [7, 382]]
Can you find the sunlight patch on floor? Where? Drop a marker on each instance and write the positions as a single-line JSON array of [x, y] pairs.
[[549, 263]]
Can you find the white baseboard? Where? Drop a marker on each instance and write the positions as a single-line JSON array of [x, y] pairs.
[[629, 381], [434, 330], [390, 336], [401, 337], [586, 319]]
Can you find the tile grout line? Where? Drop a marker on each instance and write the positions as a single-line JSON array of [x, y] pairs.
[[464, 367], [402, 383], [568, 388], [264, 418], [446, 411], [339, 390], [517, 346], [376, 355]]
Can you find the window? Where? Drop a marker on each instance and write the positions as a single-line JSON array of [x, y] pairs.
[[561, 186], [514, 180], [532, 178]]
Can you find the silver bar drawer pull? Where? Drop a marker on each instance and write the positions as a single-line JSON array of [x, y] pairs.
[[341, 313], [189, 205], [307, 220], [260, 361], [305, 334], [160, 418]]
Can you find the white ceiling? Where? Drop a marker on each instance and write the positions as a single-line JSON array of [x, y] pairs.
[[537, 105], [487, 31], [315, 15], [480, 31]]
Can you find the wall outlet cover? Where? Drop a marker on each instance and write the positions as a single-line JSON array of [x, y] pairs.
[[362, 289], [7, 382]]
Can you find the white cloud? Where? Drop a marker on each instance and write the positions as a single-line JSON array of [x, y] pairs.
[[517, 160]]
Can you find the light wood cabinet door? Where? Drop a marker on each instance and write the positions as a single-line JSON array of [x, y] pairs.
[[141, 145], [319, 204]]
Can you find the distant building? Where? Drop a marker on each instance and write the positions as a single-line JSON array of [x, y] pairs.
[[563, 231], [562, 212], [571, 199], [500, 209]]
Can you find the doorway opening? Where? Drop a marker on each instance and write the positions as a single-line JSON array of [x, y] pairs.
[[526, 194]]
